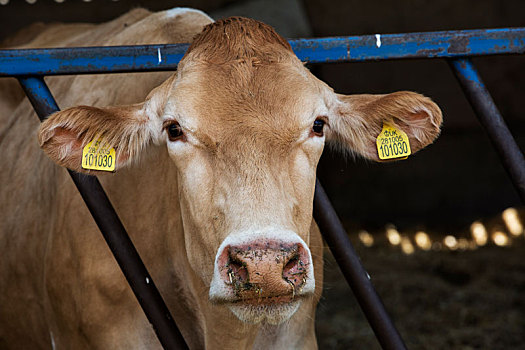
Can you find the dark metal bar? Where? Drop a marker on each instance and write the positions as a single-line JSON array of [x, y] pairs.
[[354, 272], [490, 117], [113, 231], [114, 59]]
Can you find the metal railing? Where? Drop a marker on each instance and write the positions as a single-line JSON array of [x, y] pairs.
[[30, 65]]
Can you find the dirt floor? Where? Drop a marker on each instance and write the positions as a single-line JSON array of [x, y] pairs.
[[472, 299]]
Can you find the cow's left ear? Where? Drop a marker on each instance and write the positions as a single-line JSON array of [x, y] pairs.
[[126, 129], [357, 120]]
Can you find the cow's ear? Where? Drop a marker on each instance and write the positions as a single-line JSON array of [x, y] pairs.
[[64, 134], [126, 129], [357, 120]]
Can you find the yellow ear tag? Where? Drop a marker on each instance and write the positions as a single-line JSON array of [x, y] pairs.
[[392, 143], [97, 155]]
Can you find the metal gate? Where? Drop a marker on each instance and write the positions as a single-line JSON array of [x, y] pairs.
[[29, 66]]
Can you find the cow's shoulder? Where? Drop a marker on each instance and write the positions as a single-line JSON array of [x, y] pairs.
[[136, 27], [141, 27]]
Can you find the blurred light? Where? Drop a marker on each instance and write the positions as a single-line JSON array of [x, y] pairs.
[[499, 238], [423, 241], [392, 234], [31, 1], [59, 0], [472, 245], [512, 221], [463, 244], [366, 238], [4, 2], [450, 242], [406, 246], [479, 233]]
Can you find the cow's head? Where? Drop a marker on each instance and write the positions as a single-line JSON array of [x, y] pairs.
[[245, 123]]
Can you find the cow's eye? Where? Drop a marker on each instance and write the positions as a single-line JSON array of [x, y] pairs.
[[174, 131], [318, 126]]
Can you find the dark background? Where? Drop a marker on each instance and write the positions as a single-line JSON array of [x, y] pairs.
[[443, 188]]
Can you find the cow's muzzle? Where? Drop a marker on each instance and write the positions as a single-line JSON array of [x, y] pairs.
[[265, 272]]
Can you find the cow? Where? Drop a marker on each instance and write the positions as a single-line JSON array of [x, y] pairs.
[[214, 179]]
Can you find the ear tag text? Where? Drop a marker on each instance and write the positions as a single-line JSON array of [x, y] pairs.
[[97, 155], [392, 143]]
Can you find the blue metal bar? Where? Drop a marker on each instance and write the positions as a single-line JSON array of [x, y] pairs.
[[115, 59], [447, 44], [91, 60], [39, 95], [113, 231], [490, 117]]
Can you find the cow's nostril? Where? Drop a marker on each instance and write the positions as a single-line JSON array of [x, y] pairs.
[[294, 272], [237, 271], [291, 264]]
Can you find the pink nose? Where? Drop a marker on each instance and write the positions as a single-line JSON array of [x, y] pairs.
[[264, 269]]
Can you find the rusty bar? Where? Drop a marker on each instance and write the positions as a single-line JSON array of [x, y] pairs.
[[113, 231], [354, 272], [490, 117]]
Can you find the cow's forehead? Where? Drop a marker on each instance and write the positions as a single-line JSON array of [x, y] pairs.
[[246, 98]]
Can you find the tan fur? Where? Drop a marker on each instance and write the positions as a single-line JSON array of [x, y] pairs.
[[246, 106], [237, 38]]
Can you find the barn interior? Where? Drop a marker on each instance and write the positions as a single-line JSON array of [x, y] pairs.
[[440, 233]]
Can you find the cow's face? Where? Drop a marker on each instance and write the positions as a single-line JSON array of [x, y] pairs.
[[251, 139], [245, 124]]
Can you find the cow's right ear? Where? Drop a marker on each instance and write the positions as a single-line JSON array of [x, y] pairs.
[[127, 129]]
